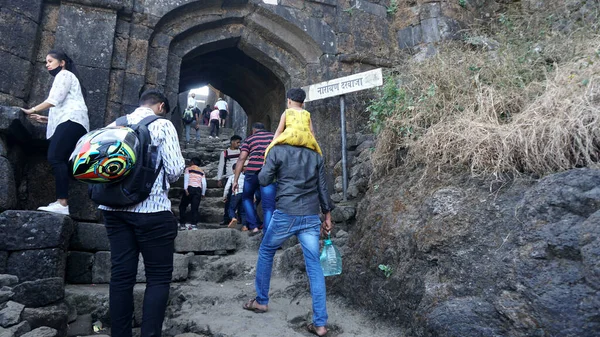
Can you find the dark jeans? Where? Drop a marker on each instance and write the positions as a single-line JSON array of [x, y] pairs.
[[194, 199], [62, 143], [267, 194], [152, 234], [214, 128], [235, 201]]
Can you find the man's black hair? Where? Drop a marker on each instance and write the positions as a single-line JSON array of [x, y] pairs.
[[234, 138], [296, 95], [196, 161], [258, 126], [153, 96]]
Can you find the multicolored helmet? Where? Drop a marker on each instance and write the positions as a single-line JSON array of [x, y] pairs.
[[105, 155]]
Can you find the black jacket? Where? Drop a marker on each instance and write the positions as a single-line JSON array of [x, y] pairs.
[[301, 185]]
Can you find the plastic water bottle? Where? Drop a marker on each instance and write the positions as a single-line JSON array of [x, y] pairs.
[[331, 260]]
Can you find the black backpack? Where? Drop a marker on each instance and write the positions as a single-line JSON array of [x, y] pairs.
[[188, 116], [136, 187]]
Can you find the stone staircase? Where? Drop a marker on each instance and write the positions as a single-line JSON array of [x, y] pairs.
[[208, 150]]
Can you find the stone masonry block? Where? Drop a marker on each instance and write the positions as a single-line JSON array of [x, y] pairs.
[[18, 70], [101, 268], [89, 237], [39, 293], [30, 265], [79, 267], [17, 31], [207, 240], [24, 230], [8, 188], [87, 35]]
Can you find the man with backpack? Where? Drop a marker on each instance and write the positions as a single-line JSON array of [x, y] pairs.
[[226, 160], [188, 119], [148, 227]]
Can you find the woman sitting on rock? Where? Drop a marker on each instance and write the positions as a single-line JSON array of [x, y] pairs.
[[67, 121]]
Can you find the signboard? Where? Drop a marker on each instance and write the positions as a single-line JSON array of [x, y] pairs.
[[343, 85]]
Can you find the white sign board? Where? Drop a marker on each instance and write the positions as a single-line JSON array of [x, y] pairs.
[[343, 85]]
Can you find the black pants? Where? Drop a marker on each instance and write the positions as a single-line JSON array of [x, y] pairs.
[[152, 234], [214, 127], [194, 199], [62, 143]]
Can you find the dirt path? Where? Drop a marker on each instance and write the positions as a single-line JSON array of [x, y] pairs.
[[215, 309]]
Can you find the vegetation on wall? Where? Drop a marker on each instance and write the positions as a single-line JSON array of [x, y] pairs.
[[520, 94]]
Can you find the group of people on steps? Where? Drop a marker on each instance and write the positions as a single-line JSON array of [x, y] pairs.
[[287, 167], [192, 117]]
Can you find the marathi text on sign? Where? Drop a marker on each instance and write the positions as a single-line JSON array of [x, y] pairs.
[[344, 85]]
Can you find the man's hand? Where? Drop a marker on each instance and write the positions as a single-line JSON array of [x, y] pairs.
[[224, 199], [220, 183], [327, 225], [234, 186], [187, 193]]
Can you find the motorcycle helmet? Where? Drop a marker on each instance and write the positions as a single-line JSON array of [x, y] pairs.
[[105, 155]]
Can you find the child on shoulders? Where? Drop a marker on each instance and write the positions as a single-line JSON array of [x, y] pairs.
[[295, 127]]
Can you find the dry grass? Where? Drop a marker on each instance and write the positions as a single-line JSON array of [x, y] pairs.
[[531, 105]]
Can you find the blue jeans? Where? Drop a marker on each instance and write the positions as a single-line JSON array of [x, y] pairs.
[[152, 234], [307, 229], [267, 198], [235, 201], [188, 127]]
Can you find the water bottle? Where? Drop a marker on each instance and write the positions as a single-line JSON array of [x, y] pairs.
[[331, 260]]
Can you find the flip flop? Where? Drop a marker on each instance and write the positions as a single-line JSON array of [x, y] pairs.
[[250, 306], [313, 329]]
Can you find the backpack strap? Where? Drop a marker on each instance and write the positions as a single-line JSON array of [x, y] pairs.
[[224, 162], [122, 121], [149, 119]]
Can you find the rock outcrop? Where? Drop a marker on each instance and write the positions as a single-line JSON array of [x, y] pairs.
[[470, 257]]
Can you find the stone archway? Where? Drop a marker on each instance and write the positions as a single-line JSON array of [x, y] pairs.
[[249, 53]]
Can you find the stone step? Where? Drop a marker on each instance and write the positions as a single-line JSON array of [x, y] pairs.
[[208, 241], [205, 203], [175, 193], [207, 215], [88, 268]]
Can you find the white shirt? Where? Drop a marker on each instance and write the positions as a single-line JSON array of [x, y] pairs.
[[68, 102], [240, 187], [226, 164], [221, 105], [191, 102], [164, 136]]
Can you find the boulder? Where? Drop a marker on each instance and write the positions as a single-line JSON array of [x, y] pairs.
[[89, 299], [15, 330], [79, 267], [43, 331], [53, 316], [10, 313], [207, 240], [89, 237], [25, 230], [31, 265], [6, 294], [8, 280], [39, 293]]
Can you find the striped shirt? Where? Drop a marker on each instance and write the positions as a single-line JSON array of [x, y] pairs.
[[194, 177], [164, 136], [255, 146]]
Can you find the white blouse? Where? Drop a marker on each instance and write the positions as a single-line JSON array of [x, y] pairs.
[[68, 102]]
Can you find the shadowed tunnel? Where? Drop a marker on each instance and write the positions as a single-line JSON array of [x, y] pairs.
[[256, 88]]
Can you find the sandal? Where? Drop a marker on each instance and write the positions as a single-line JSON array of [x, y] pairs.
[[313, 329], [250, 306]]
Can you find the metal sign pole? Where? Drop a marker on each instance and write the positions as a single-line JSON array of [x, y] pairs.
[[344, 160]]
